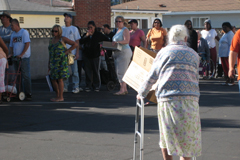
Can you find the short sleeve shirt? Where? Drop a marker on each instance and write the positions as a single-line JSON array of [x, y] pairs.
[[235, 47], [225, 43], [17, 42], [135, 37], [210, 37], [71, 33], [157, 37]]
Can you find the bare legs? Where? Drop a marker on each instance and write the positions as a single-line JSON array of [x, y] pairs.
[[58, 87], [168, 157], [123, 89], [165, 154]]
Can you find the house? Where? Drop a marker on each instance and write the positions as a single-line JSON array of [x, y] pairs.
[[37, 13], [173, 12]]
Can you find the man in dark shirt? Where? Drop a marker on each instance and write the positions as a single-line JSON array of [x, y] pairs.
[[107, 32], [193, 37]]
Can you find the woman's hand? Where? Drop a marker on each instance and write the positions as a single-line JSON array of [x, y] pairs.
[[114, 43], [138, 97], [89, 33]]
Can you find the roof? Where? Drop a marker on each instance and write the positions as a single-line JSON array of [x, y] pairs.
[[180, 5], [37, 6]]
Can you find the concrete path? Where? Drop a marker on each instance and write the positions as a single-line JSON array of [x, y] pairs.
[[100, 126]]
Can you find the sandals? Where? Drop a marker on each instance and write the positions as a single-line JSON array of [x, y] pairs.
[[120, 94], [56, 100]]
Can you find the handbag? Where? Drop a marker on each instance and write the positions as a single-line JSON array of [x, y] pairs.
[[70, 56]]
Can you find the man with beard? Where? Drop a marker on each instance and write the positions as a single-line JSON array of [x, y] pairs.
[[192, 40]]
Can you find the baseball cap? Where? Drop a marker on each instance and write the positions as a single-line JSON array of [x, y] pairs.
[[5, 13], [207, 21], [133, 20], [66, 14]]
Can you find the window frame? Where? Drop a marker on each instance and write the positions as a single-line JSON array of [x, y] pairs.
[[199, 21]]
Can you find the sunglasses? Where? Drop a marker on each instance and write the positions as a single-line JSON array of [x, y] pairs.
[[118, 21], [54, 31], [157, 22]]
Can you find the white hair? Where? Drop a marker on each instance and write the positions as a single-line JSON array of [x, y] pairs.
[[177, 33]]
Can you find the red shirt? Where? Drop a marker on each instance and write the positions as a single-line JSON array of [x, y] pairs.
[[135, 38]]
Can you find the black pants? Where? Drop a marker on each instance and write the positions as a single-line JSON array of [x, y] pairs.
[[91, 67], [80, 66]]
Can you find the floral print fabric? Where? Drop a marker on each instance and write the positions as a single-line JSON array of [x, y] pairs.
[[180, 128], [58, 61]]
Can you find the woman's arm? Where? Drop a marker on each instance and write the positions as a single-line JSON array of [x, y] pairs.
[[148, 38], [70, 42], [144, 41], [4, 47]]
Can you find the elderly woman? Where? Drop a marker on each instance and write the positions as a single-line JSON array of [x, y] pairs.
[[157, 36], [210, 35], [58, 65], [136, 35], [121, 58], [224, 49], [3, 64], [176, 70]]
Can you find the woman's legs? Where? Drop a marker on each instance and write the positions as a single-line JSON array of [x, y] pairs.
[[168, 157], [165, 154], [55, 87], [123, 88], [58, 87]]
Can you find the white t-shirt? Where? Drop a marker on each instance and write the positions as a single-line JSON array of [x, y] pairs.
[[71, 33], [18, 40], [210, 37]]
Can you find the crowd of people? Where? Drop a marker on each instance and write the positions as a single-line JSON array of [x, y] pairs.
[[176, 65]]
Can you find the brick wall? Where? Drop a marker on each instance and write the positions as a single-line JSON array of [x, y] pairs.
[[97, 10]]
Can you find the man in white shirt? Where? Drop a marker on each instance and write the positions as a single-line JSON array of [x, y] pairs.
[[20, 48], [72, 33]]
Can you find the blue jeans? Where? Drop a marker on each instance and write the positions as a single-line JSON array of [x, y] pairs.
[[25, 74], [75, 76], [239, 85]]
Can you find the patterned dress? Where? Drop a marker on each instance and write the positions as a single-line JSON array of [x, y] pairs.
[[176, 70], [58, 61]]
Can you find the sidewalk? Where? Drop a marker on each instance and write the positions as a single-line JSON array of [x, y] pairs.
[[100, 126]]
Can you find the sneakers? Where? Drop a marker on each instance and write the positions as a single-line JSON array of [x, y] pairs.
[[28, 97], [231, 84], [97, 89], [76, 90], [65, 90], [87, 89]]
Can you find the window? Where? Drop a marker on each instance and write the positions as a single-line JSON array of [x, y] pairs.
[[21, 19], [144, 24], [198, 22], [57, 20]]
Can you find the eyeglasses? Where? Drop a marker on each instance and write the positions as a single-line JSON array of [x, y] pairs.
[[118, 21], [54, 31], [157, 22]]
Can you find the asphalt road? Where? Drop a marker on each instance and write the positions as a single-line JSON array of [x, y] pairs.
[[100, 126]]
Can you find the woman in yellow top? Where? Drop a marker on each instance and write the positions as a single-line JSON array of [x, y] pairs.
[[157, 36]]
